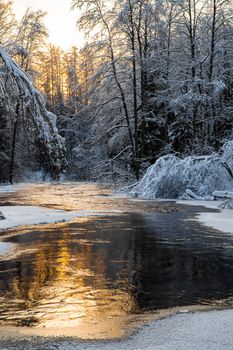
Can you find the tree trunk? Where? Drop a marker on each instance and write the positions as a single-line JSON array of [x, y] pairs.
[[135, 97], [213, 38], [12, 157]]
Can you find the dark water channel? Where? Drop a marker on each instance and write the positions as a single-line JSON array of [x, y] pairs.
[[114, 265]]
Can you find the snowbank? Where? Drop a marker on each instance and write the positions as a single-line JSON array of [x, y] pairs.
[[32, 215], [192, 331], [222, 220], [209, 330], [172, 177], [29, 215], [6, 189]]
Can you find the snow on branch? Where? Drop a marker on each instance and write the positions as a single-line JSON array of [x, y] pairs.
[[22, 89], [195, 177]]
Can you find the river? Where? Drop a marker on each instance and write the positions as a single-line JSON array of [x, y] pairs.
[[99, 275]]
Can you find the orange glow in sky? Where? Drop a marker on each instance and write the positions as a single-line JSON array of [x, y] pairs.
[[60, 20]]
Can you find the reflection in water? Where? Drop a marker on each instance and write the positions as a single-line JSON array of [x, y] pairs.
[[71, 279], [95, 271], [76, 196]]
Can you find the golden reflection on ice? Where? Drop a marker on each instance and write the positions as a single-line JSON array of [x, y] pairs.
[[83, 197], [76, 196]]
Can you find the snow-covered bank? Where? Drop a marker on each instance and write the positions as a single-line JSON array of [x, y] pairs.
[[29, 215], [209, 330], [192, 331], [6, 189], [222, 220]]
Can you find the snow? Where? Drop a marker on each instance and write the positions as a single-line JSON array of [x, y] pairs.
[[6, 189], [223, 195], [188, 194], [184, 331], [32, 215], [203, 203], [5, 247], [195, 179], [173, 177], [193, 331], [222, 220], [33, 103], [227, 204], [210, 331]]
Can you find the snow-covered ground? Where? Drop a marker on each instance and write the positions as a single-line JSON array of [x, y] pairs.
[[6, 188], [191, 331], [200, 331], [222, 221], [32, 215]]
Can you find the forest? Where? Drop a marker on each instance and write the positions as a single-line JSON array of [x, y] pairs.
[[116, 174], [154, 78]]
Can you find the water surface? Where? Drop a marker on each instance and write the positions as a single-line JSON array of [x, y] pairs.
[[100, 271]]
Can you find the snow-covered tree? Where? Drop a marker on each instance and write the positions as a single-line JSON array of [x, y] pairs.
[[7, 22], [30, 40], [189, 178], [28, 112]]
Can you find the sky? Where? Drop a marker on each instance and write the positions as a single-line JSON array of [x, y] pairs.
[[60, 21]]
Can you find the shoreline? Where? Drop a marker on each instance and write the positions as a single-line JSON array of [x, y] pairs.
[[221, 220], [203, 329], [137, 322]]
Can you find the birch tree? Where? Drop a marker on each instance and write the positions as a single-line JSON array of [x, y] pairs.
[[97, 15]]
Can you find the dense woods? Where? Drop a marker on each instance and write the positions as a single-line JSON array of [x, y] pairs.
[[154, 78]]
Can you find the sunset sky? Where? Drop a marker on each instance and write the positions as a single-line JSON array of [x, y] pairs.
[[60, 21]]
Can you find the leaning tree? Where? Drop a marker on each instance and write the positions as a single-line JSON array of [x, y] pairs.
[[21, 104]]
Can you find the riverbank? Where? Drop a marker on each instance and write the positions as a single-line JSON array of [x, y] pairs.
[[193, 331], [33, 215], [221, 220]]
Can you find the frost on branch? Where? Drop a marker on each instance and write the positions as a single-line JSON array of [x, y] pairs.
[[172, 177], [17, 88]]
